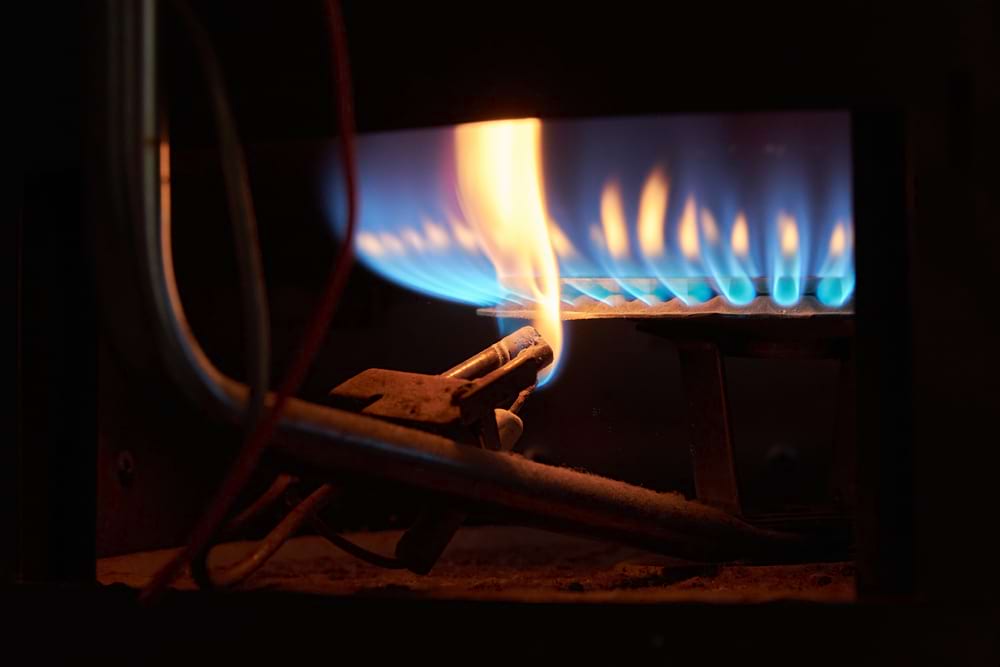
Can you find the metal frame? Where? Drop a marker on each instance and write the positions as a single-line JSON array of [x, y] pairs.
[[340, 441]]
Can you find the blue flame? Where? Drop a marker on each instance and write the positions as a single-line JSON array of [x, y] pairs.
[[765, 173], [410, 229], [836, 277]]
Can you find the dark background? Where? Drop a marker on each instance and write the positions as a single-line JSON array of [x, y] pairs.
[[416, 65]]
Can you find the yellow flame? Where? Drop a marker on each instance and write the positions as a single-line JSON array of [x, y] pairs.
[[838, 240], [788, 232], [437, 236], [688, 229], [464, 236], [560, 242], [708, 226], [740, 237], [652, 208], [613, 220], [370, 245], [391, 244], [501, 193], [412, 238]]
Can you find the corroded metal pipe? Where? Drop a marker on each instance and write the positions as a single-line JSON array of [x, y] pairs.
[[558, 498]]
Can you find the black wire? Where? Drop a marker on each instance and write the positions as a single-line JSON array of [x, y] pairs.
[[356, 550]]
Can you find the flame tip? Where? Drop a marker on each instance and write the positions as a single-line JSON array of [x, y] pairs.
[[501, 194]]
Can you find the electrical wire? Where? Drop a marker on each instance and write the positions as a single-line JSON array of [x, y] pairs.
[[281, 484], [303, 510], [255, 444], [253, 293], [199, 564], [286, 529], [356, 550], [522, 397]]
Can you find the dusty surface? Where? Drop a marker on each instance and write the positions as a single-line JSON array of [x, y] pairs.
[[513, 564]]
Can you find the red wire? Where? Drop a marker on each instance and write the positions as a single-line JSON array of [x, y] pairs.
[[256, 442]]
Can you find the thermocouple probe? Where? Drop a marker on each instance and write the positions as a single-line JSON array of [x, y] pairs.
[[422, 545]]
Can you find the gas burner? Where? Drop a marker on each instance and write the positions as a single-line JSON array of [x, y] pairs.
[[618, 306]]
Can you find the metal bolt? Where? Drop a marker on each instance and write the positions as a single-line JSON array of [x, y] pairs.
[[125, 467]]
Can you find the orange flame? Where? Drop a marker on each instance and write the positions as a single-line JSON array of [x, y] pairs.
[[652, 208], [369, 244], [412, 238], [560, 242], [501, 190], [688, 229], [391, 244], [838, 241], [740, 237], [464, 236], [437, 236], [708, 226], [788, 231], [613, 220]]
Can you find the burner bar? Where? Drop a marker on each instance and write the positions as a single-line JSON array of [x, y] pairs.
[[652, 286], [642, 298], [762, 307]]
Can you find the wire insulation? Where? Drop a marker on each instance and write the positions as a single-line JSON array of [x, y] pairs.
[[356, 550], [255, 444], [253, 293], [285, 530]]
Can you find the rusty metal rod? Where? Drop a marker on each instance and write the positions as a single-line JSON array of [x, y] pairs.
[[558, 498]]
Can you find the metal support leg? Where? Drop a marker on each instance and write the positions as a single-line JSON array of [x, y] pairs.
[[704, 383], [842, 477]]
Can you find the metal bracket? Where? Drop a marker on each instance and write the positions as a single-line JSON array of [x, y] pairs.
[[701, 345], [440, 403], [704, 381]]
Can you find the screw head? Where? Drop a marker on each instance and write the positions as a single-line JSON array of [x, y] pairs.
[[125, 468]]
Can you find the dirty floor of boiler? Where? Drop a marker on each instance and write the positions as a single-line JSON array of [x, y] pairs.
[[506, 563]]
